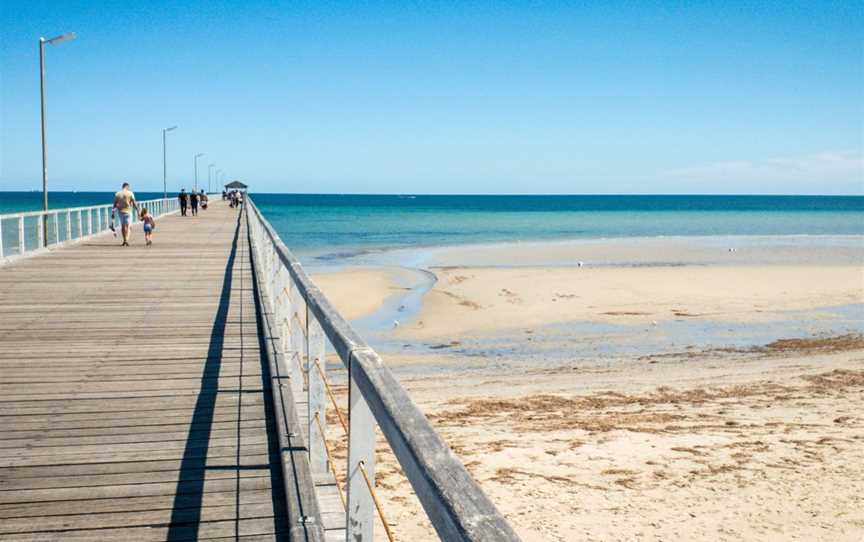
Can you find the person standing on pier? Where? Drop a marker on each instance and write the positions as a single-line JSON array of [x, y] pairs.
[[124, 202], [184, 201], [193, 199]]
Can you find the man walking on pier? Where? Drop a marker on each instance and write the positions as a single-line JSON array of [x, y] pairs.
[[184, 201], [124, 202], [193, 199]]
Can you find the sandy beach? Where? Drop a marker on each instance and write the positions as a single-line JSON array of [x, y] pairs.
[[732, 412]]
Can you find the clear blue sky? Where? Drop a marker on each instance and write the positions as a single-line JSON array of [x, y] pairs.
[[444, 97]]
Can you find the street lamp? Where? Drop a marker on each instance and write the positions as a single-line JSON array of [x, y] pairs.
[[42, 41], [164, 166], [209, 182], [197, 156]]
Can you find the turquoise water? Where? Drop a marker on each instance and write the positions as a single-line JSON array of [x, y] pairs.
[[325, 230], [333, 226]]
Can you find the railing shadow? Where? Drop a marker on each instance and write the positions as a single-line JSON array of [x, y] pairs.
[[189, 494], [276, 480]]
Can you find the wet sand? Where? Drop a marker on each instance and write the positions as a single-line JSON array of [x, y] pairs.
[[688, 439]]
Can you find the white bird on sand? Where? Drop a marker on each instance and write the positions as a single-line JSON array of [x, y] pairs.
[[395, 323], [580, 264]]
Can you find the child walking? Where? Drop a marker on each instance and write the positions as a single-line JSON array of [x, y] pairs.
[[149, 226]]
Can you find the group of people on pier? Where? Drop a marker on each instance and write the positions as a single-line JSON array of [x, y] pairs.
[[125, 204], [192, 199], [234, 198]]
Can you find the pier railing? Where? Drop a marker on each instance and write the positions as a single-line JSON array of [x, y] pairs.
[[24, 234], [298, 321]]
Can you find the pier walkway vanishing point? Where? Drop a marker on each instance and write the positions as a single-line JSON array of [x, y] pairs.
[[177, 392]]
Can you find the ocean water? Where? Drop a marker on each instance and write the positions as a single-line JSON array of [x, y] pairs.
[[329, 227], [16, 202], [328, 231]]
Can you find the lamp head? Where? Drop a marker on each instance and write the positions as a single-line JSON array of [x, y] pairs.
[[68, 36]]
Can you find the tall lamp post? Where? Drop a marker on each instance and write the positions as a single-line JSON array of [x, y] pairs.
[[42, 41], [209, 177], [164, 166], [197, 156]]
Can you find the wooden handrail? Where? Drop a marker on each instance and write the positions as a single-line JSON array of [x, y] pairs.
[[455, 504]]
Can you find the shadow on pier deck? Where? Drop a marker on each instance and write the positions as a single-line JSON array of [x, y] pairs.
[[133, 393]]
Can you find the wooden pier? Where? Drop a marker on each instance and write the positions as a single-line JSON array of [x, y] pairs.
[[149, 393], [132, 398]]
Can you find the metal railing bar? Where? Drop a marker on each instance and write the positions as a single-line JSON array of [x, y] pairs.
[[28, 214], [87, 226]]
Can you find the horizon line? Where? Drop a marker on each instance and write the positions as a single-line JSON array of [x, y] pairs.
[[508, 194]]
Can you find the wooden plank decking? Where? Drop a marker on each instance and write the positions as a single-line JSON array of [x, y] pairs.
[[132, 402]]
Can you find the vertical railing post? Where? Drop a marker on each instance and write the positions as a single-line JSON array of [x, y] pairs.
[[56, 228], [80, 225], [361, 449], [316, 399], [269, 256], [274, 262], [40, 234], [295, 335], [281, 306], [89, 221], [21, 246], [68, 225]]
